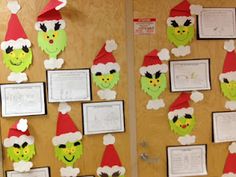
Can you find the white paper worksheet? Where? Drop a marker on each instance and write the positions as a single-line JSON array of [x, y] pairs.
[[38, 172], [187, 161]]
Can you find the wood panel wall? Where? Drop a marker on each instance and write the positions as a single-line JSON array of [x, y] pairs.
[[88, 24], [152, 126]]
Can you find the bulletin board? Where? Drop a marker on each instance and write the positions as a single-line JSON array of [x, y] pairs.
[[152, 126], [88, 25]]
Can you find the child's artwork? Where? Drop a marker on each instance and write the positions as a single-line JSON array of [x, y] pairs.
[[230, 169], [181, 116], [180, 29], [52, 38], [106, 71], [111, 165], [67, 142], [153, 77], [17, 53], [20, 146], [228, 76]]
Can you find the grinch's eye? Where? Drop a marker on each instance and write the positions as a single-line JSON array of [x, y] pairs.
[[150, 81], [98, 74], [103, 175], [188, 116], [226, 81], [77, 143], [175, 119], [62, 146], [26, 150], [16, 151], [48, 37]]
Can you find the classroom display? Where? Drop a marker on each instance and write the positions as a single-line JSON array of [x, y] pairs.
[[153, 77], [229, 169]]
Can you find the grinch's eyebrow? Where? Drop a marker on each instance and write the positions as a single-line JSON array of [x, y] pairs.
[[77, 143], [24, 144], [9, 49], [174, 23], [16, 146], [62, 146]]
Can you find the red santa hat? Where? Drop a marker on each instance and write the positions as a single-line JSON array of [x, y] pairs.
[[229, 69], [66, 129], [110, 161], [15, 36], [105, 60], [19, 134], [181, 105], [152, 62], [180, 13], [230, 168], [51, 15]]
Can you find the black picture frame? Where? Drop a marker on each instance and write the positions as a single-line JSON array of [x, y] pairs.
[[10, 173]]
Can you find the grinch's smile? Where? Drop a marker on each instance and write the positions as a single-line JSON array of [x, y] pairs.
[[16, 64], [51, 51], [68, 159]]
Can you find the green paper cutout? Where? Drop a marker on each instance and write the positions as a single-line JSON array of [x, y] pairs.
[[106, 81], [59, 39], [69, 153], [22, 153], [154, 86], [188, 123], [18, 60], [180, 36], [229, 90]]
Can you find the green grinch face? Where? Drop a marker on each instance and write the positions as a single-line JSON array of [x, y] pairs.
[[154, 84], [17, 153], [180, 35], [106, 81], [184, 125], [229, 89], [69, 153], [116, 174], [52, 42], [17, 60]]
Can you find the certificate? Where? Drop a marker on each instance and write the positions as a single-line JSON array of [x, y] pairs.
[[217, 23], [189, 75], [224, 124], [23, 99], [187, 161], [37, 172], [103, 117], [69, 85]]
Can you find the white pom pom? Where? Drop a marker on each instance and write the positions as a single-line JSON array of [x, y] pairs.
[[164, 54], [22, 125], [63, 4], [13, 6], [195, 9], [229, 45], [232, 148], [64, 108], [196, 96], [111, 45], [108, 139]]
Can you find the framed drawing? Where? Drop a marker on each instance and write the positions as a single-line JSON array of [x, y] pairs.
[[36, 172], [189, 75], [103, 117], [23, 99], [217, 23], [224, 124], [69, 85], [187, 160]]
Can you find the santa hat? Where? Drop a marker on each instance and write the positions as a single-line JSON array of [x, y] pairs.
[[15, 36], [152, 62], [182, 12], [181, 105], [105, 61], [230, 168], [19, 134], [110, 162], [229, 69], [66, 129], [51, 15]]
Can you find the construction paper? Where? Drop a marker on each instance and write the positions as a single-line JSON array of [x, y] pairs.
[[155, 104], [69, 172], [106, 81], [187, 140], [106, 94], [229, 89], [17, 77], [229, 168]]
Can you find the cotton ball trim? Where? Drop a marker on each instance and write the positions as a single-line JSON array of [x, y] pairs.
[[232, 148], [195, 9], [22, 125], [64, 108], [229, 45], [13, 6], [108, 139], [164, 54], [111, 45], [196, 96]]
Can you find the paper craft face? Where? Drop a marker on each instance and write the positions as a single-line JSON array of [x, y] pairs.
[[116, 174], [229, 89], [154, 84], [52, 42], [25, 152], [180, 35], [106, 81], [17, 60], [69, 153], [184, 125]]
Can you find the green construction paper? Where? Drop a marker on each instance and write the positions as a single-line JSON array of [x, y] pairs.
[[178, 126], [69, 153], [180, 36], [229, 90], [21, 153], [106, 81], [59, 39], [18, 60], [153, 86]]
